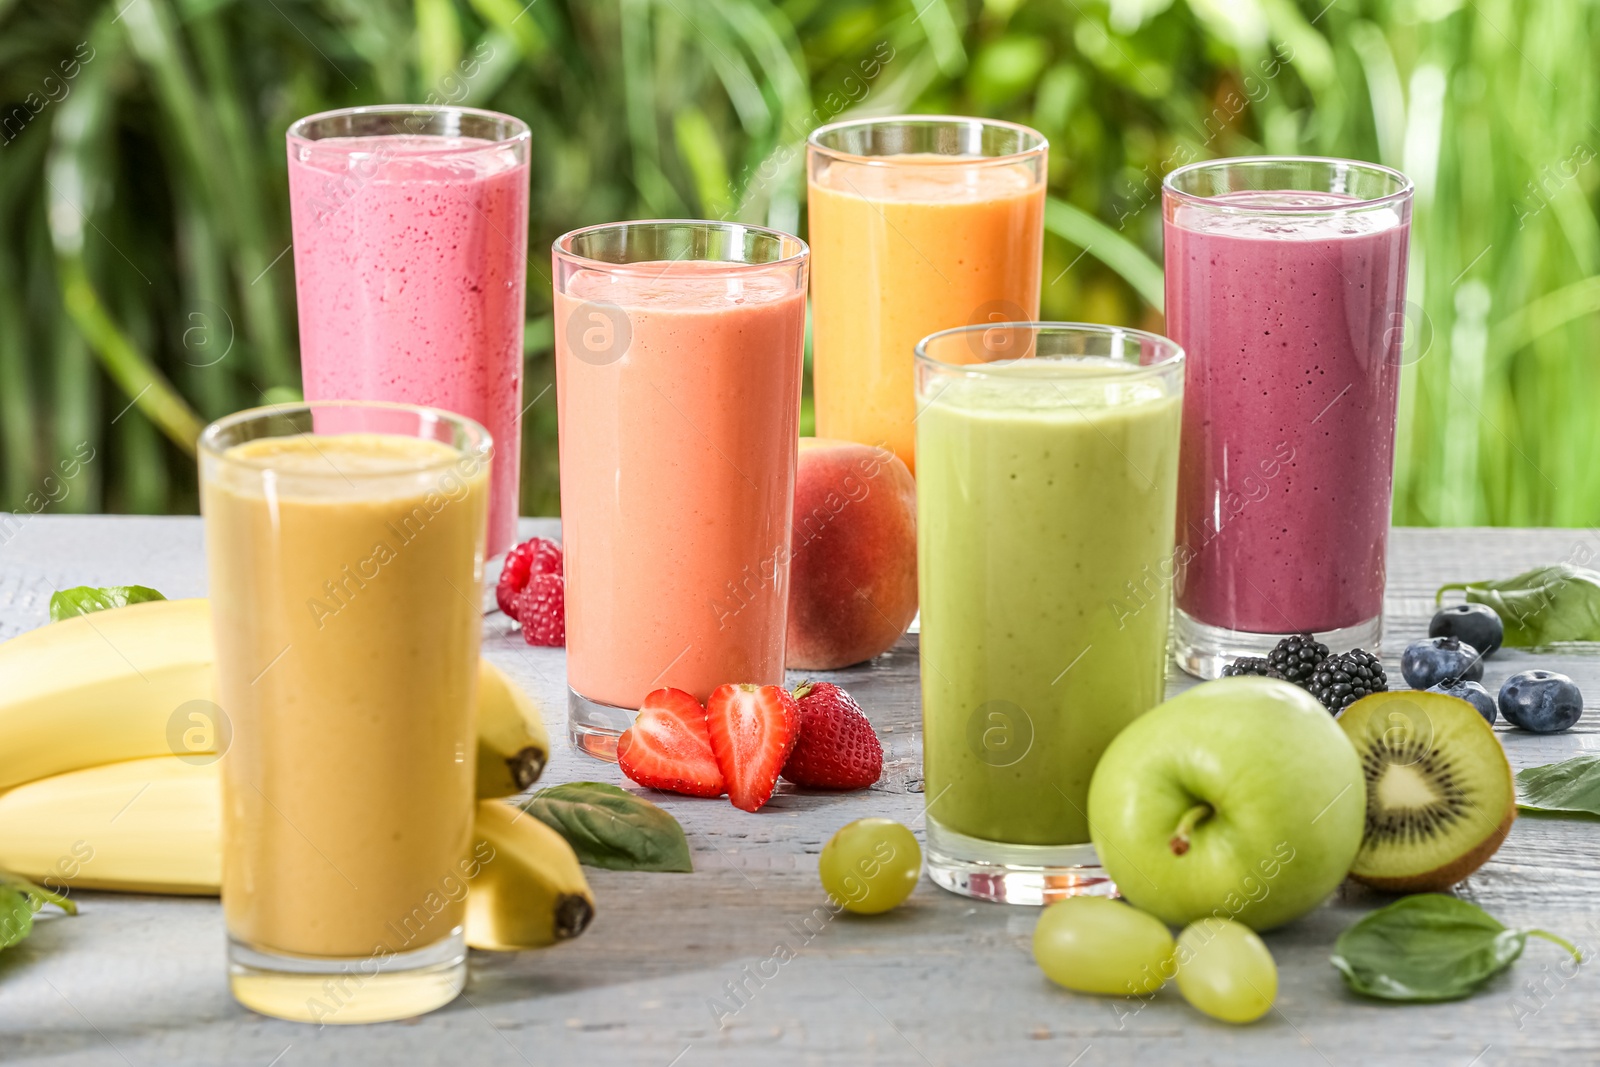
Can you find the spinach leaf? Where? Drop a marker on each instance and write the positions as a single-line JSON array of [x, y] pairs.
[[87, 599], [1569, 786], [1429, 947], [19, 899], [610, 827], [1560, 602]]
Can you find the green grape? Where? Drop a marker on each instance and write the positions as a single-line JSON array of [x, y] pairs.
[[1096, 945], [870, 865], [1225, 970]]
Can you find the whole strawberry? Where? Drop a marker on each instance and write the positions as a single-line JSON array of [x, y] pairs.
[[537, 555], [837, 748], [541, 607]]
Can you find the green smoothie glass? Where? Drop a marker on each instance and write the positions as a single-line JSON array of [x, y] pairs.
[[1047, 465]]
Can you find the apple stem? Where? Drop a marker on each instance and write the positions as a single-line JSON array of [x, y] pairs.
[[1191, 818]]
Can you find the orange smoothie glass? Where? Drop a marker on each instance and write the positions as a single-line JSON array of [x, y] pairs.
[[917, 224], [678, 366], [345, 547]]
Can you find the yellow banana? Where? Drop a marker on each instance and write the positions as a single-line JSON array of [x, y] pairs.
[[100, 688], [114, 686], [155, 826], [531, 892], [513, 746], [142, 826]]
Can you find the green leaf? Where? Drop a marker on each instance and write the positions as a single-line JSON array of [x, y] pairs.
[[88, 599], [19, 899], [1560, 602], [1569, 786], [610, 827], [1429, 947]]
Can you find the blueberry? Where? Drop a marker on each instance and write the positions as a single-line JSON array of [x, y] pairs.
[[1476, 624], [1427, 663], [1542, 701], [1472, 693]]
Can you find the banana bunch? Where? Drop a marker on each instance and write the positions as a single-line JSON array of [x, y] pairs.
[[111, 686], [155, 826], [94, 798]]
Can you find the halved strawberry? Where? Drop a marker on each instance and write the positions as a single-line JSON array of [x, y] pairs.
[[667, 746], [753, 729]]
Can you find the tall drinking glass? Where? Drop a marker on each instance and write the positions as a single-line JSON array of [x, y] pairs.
[[918, 224], [410, 260], [1286, 284], [678, 362], [345, 543], [1045, 500]]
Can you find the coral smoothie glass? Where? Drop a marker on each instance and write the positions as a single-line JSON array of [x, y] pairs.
[[410, 257], [678, 364], [1286, 280]]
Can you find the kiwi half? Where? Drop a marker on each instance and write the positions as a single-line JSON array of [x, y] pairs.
[[1440, 796]]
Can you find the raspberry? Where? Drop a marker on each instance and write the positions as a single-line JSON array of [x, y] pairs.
[[537, 555], [541, 608]]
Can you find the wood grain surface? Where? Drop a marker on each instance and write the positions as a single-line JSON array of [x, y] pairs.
[[687, 969]]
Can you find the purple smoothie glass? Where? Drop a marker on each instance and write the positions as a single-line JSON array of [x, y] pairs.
[[1285, 283]]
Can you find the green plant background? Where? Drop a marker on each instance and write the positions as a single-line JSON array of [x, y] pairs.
[[143, 211]]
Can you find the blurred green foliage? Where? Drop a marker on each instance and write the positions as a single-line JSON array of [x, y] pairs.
[[143, 209]]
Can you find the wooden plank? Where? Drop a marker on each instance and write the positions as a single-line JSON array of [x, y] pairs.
[[692, 969]]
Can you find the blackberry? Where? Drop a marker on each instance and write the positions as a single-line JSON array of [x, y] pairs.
[[1250, 665], [1297, 658], [1344, 679]]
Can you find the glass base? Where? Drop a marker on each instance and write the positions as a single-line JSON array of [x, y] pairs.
[[1013, 874], [368, 989], [1203, 650], [593, 727]]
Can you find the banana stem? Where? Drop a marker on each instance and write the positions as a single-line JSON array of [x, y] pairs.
[[1186, 824]]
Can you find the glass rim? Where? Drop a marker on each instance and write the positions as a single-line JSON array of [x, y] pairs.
[[296, 133], [480, 443], [1172, 353], [798, 250], [1040, 143], [1404, 188]]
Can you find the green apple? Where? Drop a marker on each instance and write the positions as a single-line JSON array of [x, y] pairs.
[[1240, 799]]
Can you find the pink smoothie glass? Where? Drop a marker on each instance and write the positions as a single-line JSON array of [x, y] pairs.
[[410, 259], [678, 364], [1285, 284]]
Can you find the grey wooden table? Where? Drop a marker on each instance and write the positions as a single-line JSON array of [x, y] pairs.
[[685, 969]]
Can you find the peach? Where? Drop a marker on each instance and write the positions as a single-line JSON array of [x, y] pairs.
[[853, 564]]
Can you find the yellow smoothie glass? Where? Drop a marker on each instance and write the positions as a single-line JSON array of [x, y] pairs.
[[917, 224], [345, 545]]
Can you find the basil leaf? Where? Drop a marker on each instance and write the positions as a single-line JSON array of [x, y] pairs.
[[1429, 947], [19, 899], [1559, 602], [87, 599], [610, 827], [1569, 786]]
